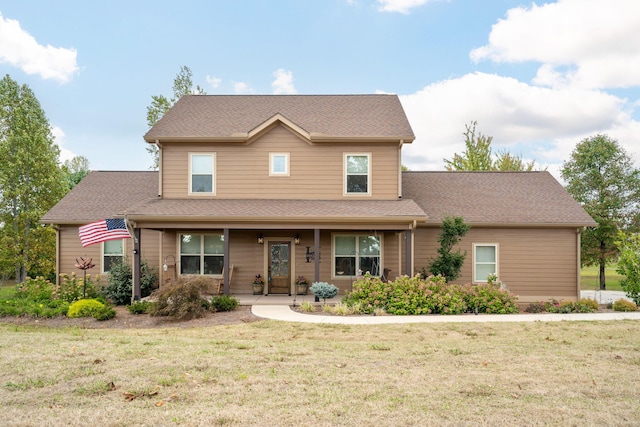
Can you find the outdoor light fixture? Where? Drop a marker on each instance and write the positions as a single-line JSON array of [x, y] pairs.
[[296, 239], [309, 255], [260, 239]]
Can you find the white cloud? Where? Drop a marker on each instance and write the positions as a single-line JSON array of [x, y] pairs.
[[401, 6], [20, 49], [594, 44], [283, 84], [538, 123], [213, 81], [242, 88], [65, 154]]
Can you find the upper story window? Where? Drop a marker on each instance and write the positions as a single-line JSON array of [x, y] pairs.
[[278, 164], [201, 254], [357, 174], [202, 173], [485, 261], [112, 253]]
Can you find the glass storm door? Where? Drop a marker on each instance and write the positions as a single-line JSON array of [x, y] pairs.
[[279, 268]]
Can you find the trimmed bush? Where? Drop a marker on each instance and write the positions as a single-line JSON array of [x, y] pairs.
[[324, 290], [489, 298], [223, 303], [85, 308], [182, 299], [624, 305]]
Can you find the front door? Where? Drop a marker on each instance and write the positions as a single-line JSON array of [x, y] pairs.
[[279, 268]]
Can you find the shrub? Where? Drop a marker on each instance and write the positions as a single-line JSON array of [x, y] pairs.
[[489, 298], [324, 290], [120, 288], [223, 303], [140, 307], [85, 308], [71, 288], [181, 299], [38, 289], [27, 307], [624, 305], [535, 307], [584, 305]]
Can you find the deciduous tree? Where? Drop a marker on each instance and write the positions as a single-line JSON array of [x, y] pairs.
[[31, 181], [601, 176], [478, 157], [160, 104], [448, 263]]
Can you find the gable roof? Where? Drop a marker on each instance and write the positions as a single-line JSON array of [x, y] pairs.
[[316, 117], [103, 194], [495, 198]]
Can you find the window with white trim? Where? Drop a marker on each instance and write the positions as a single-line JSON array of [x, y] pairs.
[[278, 164], [485, 261], [201, 254], [356, 253], [357, 174], [202, 173], [112, 253]]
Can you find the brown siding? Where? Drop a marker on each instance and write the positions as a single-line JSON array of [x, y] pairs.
[[535, 264], [316, 170], [70, 248]]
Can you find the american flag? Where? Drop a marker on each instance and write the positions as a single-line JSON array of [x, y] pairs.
[[101, 231]]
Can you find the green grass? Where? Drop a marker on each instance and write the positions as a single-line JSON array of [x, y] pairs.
[[7, 290], [589, 278]]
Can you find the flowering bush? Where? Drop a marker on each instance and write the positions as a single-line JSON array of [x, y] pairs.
[[301, 280], [415, 295]]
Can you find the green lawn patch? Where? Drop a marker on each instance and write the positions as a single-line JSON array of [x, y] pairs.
[[589, 278]]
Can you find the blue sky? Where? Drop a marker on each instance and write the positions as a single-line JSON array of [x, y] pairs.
[[536, 76]]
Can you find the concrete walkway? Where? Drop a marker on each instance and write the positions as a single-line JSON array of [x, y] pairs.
[[278, 307]]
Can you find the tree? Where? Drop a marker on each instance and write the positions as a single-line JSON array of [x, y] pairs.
[[601, 176], [629, 263], [448, 263], [182, 85], [75, 170], [477, 155], [31, 181]]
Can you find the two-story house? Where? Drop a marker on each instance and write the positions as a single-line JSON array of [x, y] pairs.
[[312, 185]]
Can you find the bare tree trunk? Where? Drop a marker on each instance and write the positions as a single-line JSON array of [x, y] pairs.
[[603, 263]]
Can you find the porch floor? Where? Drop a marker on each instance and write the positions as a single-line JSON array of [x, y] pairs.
[[277, 299]]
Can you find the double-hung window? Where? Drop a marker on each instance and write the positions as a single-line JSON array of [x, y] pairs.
[[357, 174], [485, 261], [278, 164], [112, 253], [202, 173], [353, 254], [201, 254]]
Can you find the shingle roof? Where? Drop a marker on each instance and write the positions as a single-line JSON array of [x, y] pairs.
[[516, 198], [287, 210], [103, 194], [340, 116]]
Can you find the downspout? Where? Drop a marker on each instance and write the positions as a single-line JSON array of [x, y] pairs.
[[579, 232], [159, 167]]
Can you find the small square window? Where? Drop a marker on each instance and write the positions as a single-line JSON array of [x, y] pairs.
[[279, 164]]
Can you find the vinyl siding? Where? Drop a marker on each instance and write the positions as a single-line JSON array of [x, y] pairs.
[[316, 170], [535, 264]]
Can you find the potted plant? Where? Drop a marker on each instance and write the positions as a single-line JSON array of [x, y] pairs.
[[302, 285], [258, 284]]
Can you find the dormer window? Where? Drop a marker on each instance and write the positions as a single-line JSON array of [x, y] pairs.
[[202, 173], [357, 173], [278, 164]]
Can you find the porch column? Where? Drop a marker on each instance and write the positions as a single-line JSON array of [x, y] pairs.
[[408, 254], [316, 254], [136, 266], [225, 267]]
